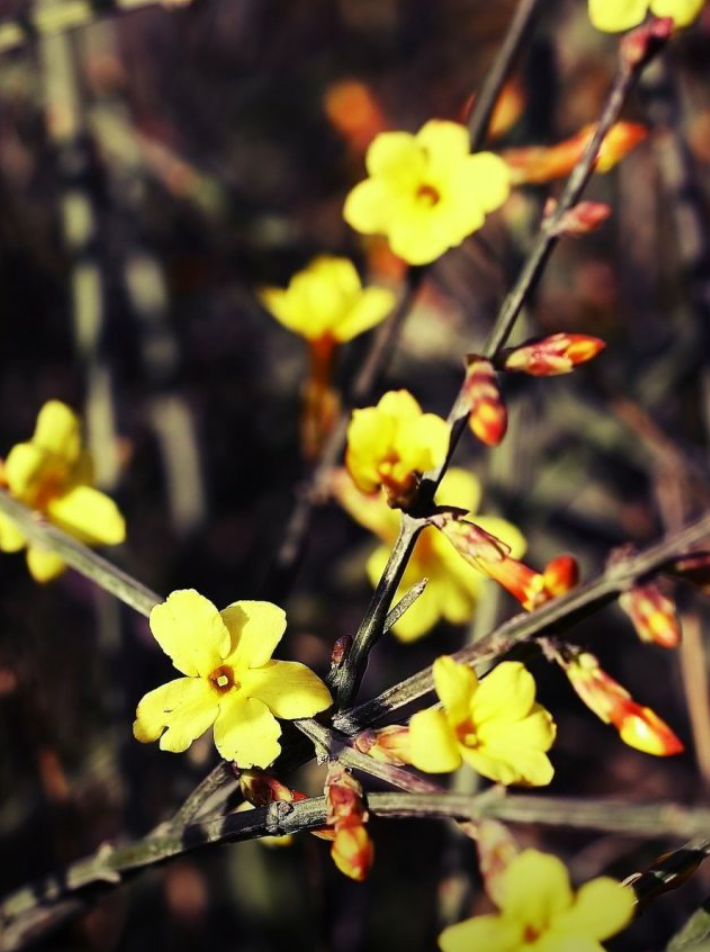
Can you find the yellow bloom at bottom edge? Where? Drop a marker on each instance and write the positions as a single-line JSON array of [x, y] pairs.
[[230, 681], [539, 912]]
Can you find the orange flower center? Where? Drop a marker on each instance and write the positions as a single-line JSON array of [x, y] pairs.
[[222, 679], [530, 935], [428, 195]]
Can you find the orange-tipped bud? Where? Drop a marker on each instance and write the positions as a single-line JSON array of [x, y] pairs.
[[355, 113], [261, 789], [496, 850], [550, 356], [523, 583], [561, 575], [353, 851], [638, 726], [537, 165], [343, 796], [508, 109], [582, 219], [389, 745], [469, 540], [653, 615], [695, 568], [487, 415]]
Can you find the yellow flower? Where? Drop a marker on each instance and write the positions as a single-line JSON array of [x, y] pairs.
[[454, 586], [426, 192], [493, 725], [612, 16], [392, 444], [52, 474], [327, 299], [230, 681], [539, 912]]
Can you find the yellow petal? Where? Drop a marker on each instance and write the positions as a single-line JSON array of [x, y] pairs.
[[25, 469], [186, 706], [370, 436], [43, 564], [398, 159], [459, 488], [368, 207], [190, 630], [370, 510], [288, 688], [483, 181], [506, 532], [246, 732], [535, 889], [419, 618], [58, 431], [371, 307], [684, 12], [482, 934], [602, 908], [284, 308], [423, 443], [494, 768], [456, 684], [537, 730], [433, 746], [457, 602], [399, 404], [89, 515], [506, 694], [11, 539], [612, 16], [446, 144], [255, 629], [554, 942], [508, 765], [419, 235]]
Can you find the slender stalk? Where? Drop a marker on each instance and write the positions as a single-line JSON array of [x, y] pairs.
[[554, 617]]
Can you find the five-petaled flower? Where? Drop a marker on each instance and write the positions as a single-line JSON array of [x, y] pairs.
[[495, 725], [426, 192], [52, 474], [454, 587], [539, 912], [230, 680], [392, 444], [613, 16]]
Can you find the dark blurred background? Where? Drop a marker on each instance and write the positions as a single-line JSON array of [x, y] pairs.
[[156, 168]]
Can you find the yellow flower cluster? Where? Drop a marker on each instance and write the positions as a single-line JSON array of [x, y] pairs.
[[52, 474], [426, 192], [230, 680], [539, 912], [454, 586], [613, 16], [495, 725]]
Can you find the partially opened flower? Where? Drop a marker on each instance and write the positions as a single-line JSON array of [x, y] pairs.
[[392, 444], [426, 192], [494, 725], [613, 16], [52, 474], [540, 912], [454, 586], [230, 680]]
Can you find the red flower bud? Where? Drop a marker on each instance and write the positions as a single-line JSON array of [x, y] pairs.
[[561, 575], [581, 219], [389, 745], [653, 615], [550, 356], [487, 415], [353, 851]]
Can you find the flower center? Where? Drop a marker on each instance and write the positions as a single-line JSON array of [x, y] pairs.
[[222, 679], [530, 935], [428, 195], [466, 734]]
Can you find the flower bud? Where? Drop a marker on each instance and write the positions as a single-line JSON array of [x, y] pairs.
[[550, 356], [523, 583], [581, 219], [487, 415], [389, 745], [561, 575], [639, 46], [694, 568], [471, 541], [496, 850], [343, 796], [638, 726], [353, 851], [261, 789], [653, 615]]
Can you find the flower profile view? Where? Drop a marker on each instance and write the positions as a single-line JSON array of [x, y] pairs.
[[454, 586], [426, 192], [392, 444], [539, 912], [613, 16], [230, 680], [52, 475], [326, 301], [494, 725]]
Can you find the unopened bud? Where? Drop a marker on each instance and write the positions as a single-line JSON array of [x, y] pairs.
[[523, 583], [508, 109], [343, 796], [550, 356], [471, 541], [261, 789], [496, 850], [639, 46], [642, 728], [389, 745], [353, 851], [653, 615], [487, 415], [340, 650], [561, 575], [581, 219]]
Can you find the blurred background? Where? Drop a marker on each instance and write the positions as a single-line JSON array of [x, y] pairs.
[[157, 167]]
